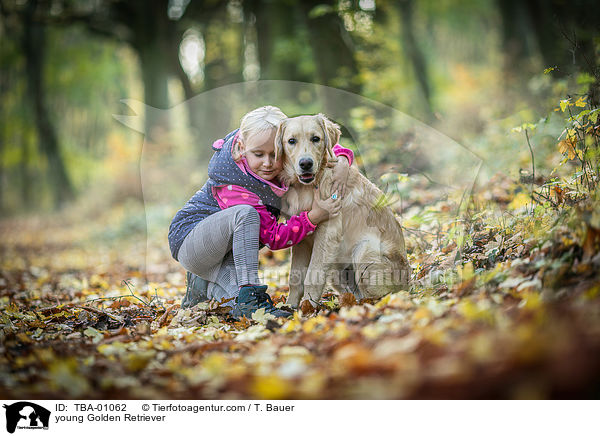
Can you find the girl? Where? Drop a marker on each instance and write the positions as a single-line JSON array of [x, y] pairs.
[[217, 234]]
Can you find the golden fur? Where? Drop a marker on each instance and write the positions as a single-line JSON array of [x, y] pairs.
[[365, 236]]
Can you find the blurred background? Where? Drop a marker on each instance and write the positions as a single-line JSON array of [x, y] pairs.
[[479, 119], [469, 69]]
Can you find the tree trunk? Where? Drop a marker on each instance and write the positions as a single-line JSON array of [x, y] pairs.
[[217, 73], [34, 50], [150, 28], [276, 25], [4, 86], [333, 52], [332, 48], [280, 40], [26, 191], [516, 36], [413, 52]]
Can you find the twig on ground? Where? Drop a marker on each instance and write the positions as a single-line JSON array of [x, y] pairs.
[[102, 312], [126, 282], [532, 166], [157, 299]]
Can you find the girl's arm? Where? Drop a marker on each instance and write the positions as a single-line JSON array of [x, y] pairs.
[[273, 234], [341, 169], [338, 150]]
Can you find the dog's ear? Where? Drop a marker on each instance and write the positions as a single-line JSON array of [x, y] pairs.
[[279, 139], [332, 133]]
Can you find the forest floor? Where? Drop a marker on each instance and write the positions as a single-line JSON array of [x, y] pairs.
[[510, 308]]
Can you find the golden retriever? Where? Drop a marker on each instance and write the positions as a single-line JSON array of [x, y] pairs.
[[362, 249]]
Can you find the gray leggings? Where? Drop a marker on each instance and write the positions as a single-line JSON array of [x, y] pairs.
[[223, 249]]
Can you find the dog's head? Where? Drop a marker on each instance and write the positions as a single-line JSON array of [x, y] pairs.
[[305, 144]]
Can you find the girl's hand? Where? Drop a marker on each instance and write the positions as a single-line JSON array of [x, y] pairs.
[[323, 209], [341, 168]]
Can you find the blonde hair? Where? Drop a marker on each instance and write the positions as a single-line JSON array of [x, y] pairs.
[[258, 121]]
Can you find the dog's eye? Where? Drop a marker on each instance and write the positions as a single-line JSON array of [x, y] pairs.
[[315, 139], [292, 141]]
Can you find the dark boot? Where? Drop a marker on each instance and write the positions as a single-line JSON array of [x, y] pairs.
[[196, 291], [252, 298]]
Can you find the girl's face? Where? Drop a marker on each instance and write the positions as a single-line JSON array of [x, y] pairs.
[[260, 155]]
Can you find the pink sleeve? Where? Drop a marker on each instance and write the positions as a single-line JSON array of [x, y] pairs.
[[338, 150], [273, 234]]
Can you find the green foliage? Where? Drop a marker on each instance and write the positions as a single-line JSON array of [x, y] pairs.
[[84, 78], [476, 96], [320, 10]]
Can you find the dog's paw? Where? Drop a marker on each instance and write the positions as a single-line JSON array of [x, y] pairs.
[[307, 308], [347, 299]]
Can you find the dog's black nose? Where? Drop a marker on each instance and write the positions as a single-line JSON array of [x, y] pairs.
[[306, 164]]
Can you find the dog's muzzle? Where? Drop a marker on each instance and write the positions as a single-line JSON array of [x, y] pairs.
[[306, 170], [306, 178]]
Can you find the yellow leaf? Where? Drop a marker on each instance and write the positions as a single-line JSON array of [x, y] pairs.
[[581, 102], [589, 140], [112, 348], [138, 360], [166, 345], [63, 375], [520, 200], [252, 333], [421, 313], [295, 352], [567, 146], [271, 387], [467, 272], [340, 331], [563, 104], [280, 255], [97, 282], [475, 312], [482, 347], [527, 336], [373, 331], [163, 331], [261, 316], [437, 336], [592, 293], [91, 332], [313, 324], [383, 302], [214, 363], [23, 361], [369, 122], [531, 301], [292, 325], [23, 338]]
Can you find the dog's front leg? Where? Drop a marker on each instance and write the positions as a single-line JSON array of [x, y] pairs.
[[300, 261], [327, 240]]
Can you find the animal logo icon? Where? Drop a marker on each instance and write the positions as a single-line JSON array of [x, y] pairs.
[[24, 414]]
